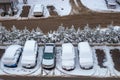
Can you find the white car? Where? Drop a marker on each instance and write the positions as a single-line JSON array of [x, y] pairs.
[[29, 55], [68, 56], [85, 55], [48, 61], [111, 4], [12, 55], [38, 10]]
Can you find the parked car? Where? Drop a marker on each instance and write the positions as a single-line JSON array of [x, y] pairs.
[[48, 60], [68, 56], [85, 55], [38, 10], [12, 55], [111, 4], [29, 55]]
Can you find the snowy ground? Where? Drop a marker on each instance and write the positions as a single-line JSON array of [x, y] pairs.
[[99, 6], [109, 71], [62, 7]]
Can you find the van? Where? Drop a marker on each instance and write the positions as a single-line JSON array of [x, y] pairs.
[[12, 55], [38, 10], [85, 55], [48, 61], [29, 55], [68, 56]]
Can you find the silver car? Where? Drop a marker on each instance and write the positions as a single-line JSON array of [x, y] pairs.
[[48, 60]]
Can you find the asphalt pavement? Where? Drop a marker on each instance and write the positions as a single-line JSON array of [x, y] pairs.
[[52, 78]]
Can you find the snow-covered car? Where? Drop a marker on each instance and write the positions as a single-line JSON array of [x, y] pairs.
[[48, 61], [38, 10], [85, 55], [29, 55], [68, 56], [12, 55], [111, 4]]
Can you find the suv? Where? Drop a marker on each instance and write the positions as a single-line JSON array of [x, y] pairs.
[[48, 60], [30, 54]]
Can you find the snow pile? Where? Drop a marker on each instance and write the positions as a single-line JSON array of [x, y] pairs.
[[99, 6], [110, 34]]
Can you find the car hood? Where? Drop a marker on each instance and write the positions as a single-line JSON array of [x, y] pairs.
[[48, 62], [68, 62]]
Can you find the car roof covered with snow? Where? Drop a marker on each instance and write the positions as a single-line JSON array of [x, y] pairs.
[[68, 50], [49, 49], [11, 50], [38, 8], [85, 55], [84, 49], [29, 51], [29, 47], [29, 58]]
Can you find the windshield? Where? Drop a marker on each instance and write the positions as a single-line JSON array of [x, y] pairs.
[[48, 56]]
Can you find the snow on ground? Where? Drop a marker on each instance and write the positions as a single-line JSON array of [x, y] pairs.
[[97, 71], [99, 6], [63, 7]]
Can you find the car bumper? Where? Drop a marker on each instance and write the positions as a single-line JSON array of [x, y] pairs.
[[48, 66], [29, 65], [12, 66], [68, 68]]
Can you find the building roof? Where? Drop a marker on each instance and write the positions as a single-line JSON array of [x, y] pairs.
[[68, 51]]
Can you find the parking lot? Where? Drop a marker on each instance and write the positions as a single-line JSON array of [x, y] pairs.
[[105, 65]]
